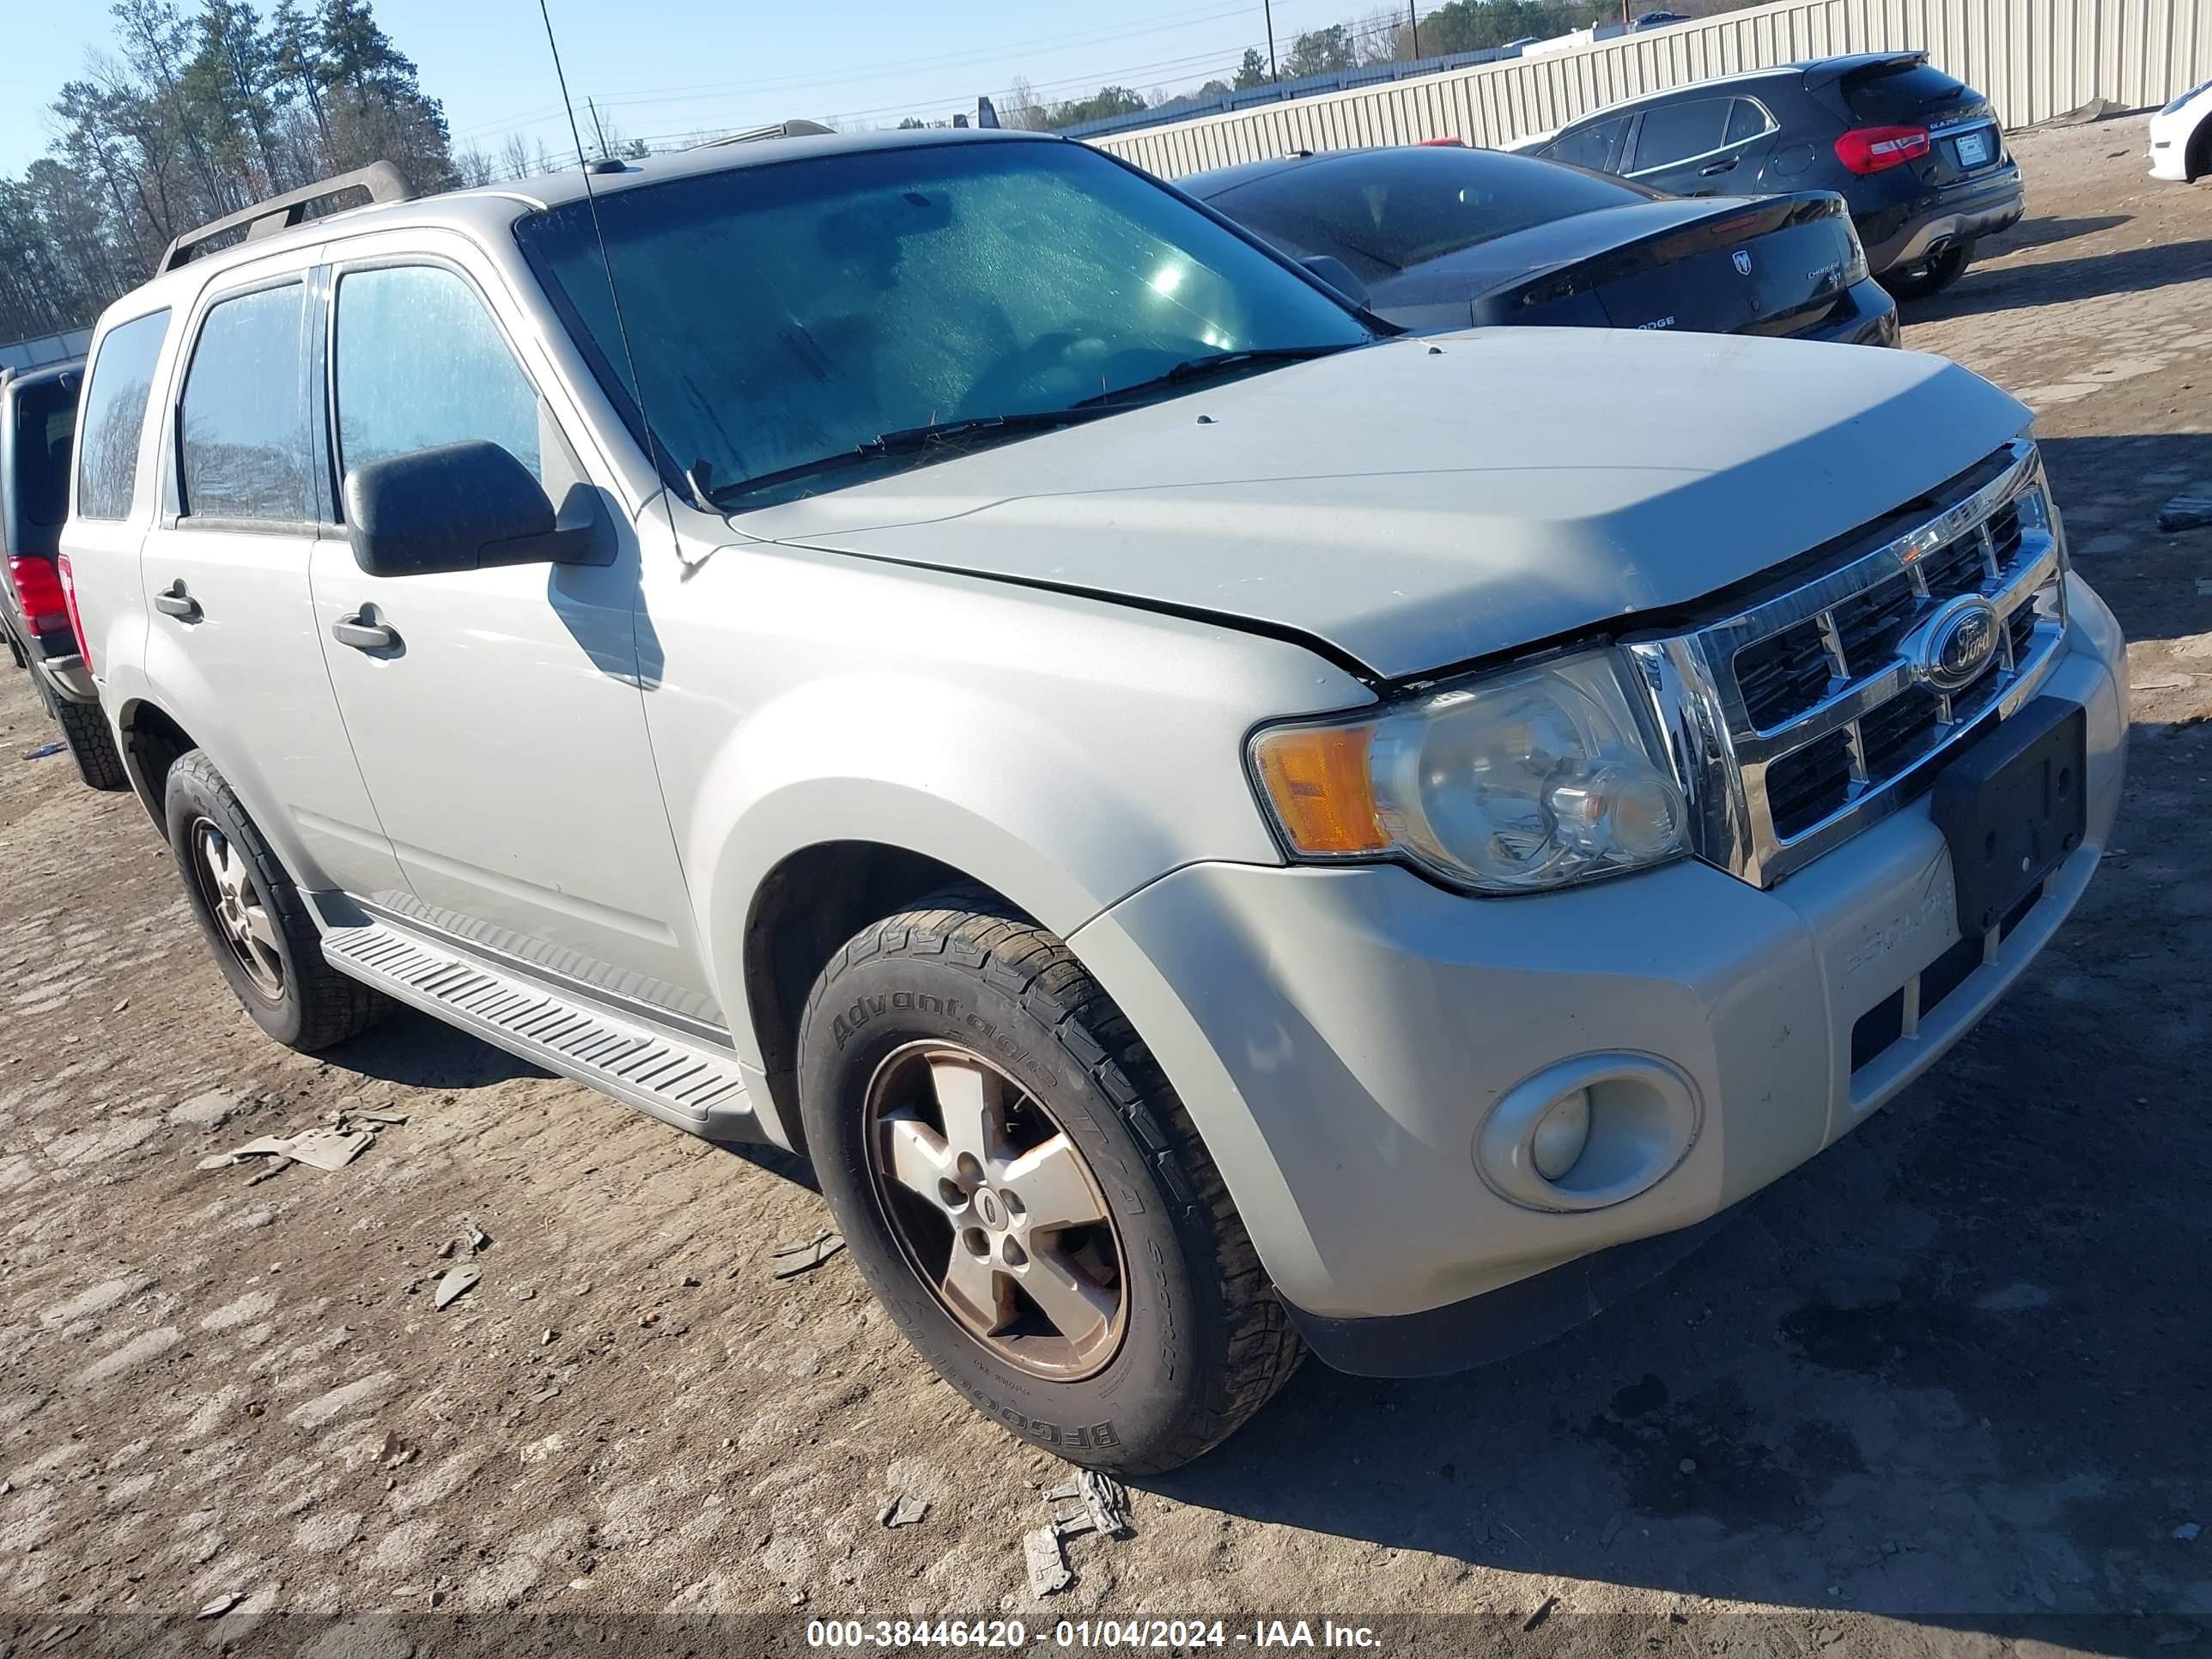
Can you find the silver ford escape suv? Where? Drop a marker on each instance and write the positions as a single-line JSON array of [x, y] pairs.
[[1217, 831]]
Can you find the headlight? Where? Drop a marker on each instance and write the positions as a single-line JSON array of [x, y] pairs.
[[1526, 779]]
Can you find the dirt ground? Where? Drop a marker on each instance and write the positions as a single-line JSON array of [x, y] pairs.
[[1945, 1389]]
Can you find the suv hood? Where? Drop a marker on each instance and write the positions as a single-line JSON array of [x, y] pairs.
[[1427, 502]]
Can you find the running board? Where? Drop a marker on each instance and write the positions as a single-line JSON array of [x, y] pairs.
[[693, 1085]]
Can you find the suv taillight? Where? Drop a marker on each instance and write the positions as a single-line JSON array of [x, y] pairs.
[[69, 604], [1870, 149], [44, 607]]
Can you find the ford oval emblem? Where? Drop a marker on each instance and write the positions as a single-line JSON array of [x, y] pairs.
[[1741, 260], [1957, 644]]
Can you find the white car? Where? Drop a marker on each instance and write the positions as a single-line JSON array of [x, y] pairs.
[[2181, 138]]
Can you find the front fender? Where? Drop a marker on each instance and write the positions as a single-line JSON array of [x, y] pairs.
[[1010, 798]]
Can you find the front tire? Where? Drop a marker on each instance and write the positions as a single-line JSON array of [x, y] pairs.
[[1026, 1195], [1930, 277], [253, 919]]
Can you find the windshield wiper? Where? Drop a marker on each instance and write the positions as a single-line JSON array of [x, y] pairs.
[[1218, 362], [906, 440]]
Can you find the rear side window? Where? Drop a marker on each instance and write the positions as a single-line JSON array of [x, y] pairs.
[[1596, 146], [1746, 119], [115, 416], [45, 417], [421, 363], [1675, 132], [1897, 95], [244, 445]]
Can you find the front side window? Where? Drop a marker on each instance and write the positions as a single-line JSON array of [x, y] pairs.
[[1596, 146], [244, 445], [421, 363], [786, 315], [115, 416], [1675, 132]]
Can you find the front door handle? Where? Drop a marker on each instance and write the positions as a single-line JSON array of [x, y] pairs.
[[1712, 168], [174, 601], [363, 633]]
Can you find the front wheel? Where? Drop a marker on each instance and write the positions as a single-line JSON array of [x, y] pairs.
[[1931, 275], [1025, 1193], [253, 919]]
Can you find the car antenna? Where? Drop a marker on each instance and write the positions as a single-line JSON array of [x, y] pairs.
[[692, 477]]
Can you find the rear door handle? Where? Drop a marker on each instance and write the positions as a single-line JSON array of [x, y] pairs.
[[1712, 168], [362, 633], [174, 601]]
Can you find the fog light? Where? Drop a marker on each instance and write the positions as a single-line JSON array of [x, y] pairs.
[[1561, 1135]]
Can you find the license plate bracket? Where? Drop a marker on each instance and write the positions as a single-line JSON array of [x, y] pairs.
[[2012, 806], [1973, 148]]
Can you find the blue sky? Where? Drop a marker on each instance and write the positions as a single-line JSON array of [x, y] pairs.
[[662, 68]]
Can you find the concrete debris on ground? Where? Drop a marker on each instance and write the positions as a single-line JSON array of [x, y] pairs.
[[328, 1147], [903, 1511], [220, 1606], [455, 1284], [1046, 1561], [2187, 1532], [792, 1260], [1103, 1506]]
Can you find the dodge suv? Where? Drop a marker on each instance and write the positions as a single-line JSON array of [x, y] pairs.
[[1218, 831]]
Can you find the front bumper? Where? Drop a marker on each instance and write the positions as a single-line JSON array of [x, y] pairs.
[[1340, 1037], [1903, 231]]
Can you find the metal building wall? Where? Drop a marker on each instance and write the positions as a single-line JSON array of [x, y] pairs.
[[2035, 59]]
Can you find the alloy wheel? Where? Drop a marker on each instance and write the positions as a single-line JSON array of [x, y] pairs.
[[997, 1210], [241, 913]]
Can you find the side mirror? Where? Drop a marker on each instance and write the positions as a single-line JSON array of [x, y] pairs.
[[1338, 275], [467, 506]]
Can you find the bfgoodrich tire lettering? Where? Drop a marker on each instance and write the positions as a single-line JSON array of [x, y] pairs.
[[1203, 1343], [277, 970]]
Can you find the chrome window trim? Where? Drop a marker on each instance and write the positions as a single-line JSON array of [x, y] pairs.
[[1720, 758], [1771, 126]]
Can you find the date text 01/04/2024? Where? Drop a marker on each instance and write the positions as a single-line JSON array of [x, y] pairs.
[[1176, 1634]]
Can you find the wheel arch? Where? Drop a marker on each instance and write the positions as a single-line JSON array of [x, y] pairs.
[[152, 742], [814, 899], [2197, 160]]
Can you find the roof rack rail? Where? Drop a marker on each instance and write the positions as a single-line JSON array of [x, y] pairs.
[[795, 128], [379, 178]]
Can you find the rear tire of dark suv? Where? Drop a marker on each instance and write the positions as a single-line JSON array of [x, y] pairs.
[[1930, 277], [263, 935]]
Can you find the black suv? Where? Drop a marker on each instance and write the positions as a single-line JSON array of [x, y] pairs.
[[1919, 156], [38, 423]]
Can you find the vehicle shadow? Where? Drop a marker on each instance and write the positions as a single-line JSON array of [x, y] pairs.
[[411, 1048], [2110, 491], [1986, 288], [2041, 233]]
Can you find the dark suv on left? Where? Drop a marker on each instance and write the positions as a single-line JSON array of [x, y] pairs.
[[1919, 155], [38, 424]]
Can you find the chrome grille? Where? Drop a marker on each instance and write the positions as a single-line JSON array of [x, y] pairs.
[[1797, 721]]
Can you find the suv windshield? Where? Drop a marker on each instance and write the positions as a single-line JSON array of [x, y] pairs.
[[786, 315]]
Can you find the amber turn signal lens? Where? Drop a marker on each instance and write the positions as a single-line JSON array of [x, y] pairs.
[[1316, 779]]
